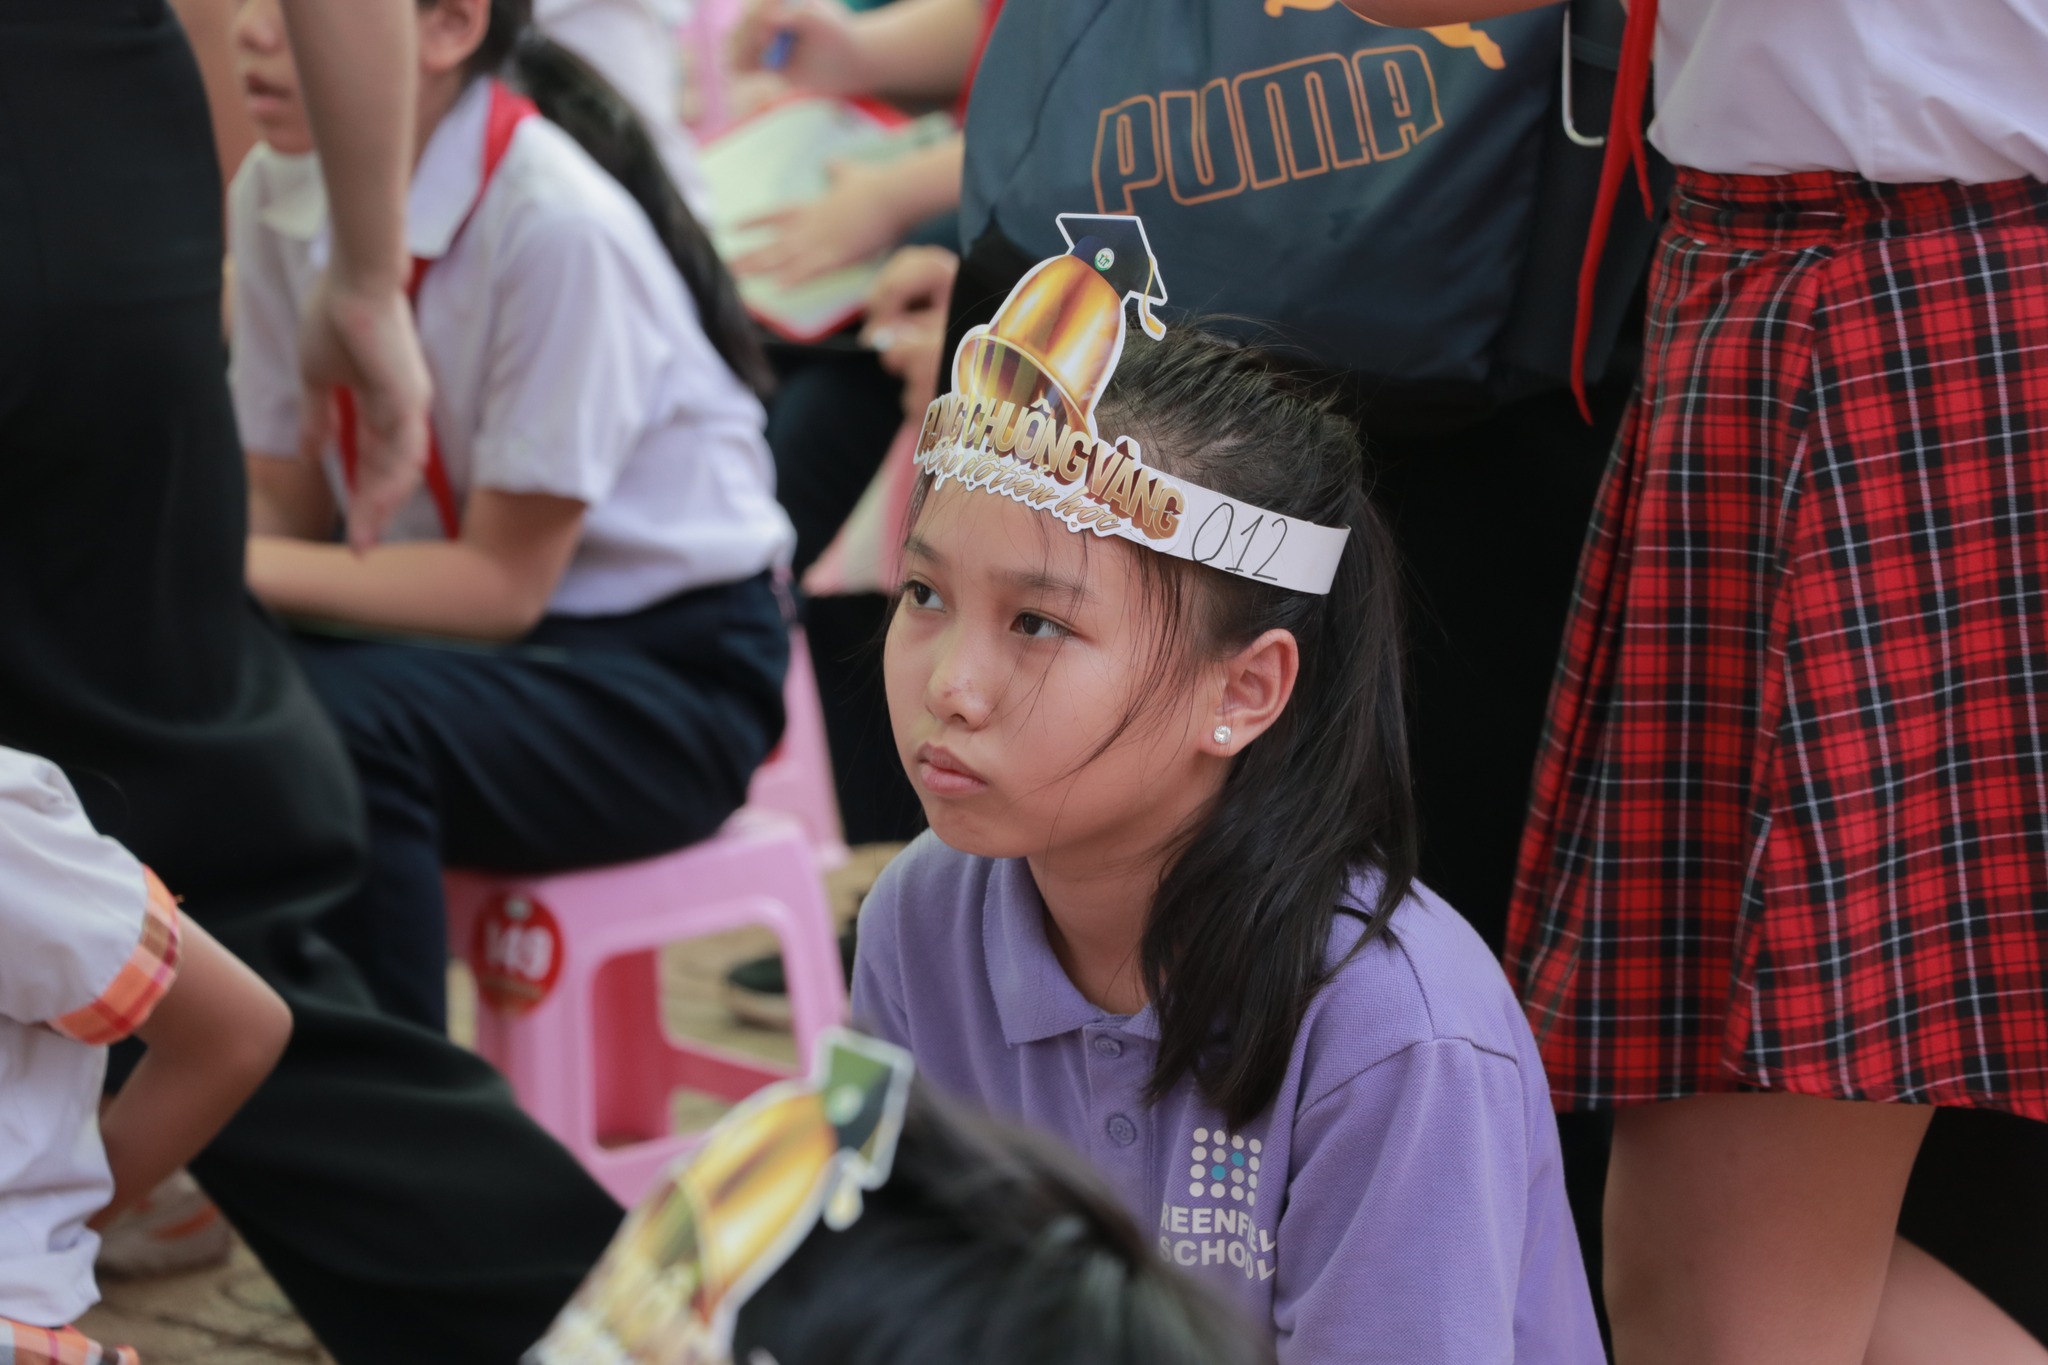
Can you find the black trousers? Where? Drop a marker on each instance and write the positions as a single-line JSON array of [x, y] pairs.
[[383, 1174], [593, 740]]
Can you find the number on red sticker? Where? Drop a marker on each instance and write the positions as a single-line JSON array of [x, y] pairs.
[[516, 954]]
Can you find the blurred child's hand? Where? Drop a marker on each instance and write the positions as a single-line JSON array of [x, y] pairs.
[[365, 340], [855, 220], [810, 42], [913, 356], [906, 323], [917, 279]]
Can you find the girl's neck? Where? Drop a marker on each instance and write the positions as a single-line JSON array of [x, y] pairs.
[[1095, 922], [1098, 899]]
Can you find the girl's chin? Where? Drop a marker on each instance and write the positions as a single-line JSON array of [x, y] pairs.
[[973, 834], [286, 138]]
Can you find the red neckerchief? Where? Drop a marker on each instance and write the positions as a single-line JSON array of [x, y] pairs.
[[1624, 148], [508, 111]]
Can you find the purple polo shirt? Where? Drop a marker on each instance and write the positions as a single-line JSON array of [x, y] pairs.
[[1402, 1200]]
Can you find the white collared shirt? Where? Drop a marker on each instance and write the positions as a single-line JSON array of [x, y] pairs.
[[1895, 90], [73, 917], [566, 354]]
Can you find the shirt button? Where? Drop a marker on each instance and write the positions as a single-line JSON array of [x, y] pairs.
[[1122, 1131], [1106, 1046]]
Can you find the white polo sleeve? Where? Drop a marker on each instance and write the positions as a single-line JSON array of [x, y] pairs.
[[577, 359], [88, 938], [263, 352]]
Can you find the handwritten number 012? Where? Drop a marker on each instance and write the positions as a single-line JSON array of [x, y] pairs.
[[1249, 536]]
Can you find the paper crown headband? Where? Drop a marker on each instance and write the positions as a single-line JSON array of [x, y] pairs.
[[1020, 420], [719, 1223]]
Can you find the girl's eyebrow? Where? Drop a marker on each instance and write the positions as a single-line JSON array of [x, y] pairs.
[[1073, 589], [1017, 580]]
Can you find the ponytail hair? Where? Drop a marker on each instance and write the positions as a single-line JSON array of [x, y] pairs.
[[571, 95], [1234, 949]]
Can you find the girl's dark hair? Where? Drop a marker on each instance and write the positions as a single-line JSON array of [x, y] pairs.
[[1234, 948], [574, 97], [988, 1246]]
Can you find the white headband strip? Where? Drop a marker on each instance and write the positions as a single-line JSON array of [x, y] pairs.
[[1092, 485]]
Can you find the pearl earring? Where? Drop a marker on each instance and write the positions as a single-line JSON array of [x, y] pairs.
[[1222, 734]]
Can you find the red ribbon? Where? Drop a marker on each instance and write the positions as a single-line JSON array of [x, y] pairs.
[[508, 111], [1624, 148]]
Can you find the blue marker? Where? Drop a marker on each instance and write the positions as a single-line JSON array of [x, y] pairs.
[[779, 48]]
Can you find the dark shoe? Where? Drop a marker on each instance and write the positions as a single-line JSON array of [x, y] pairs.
[[757, 993]]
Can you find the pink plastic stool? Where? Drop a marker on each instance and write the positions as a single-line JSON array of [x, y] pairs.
[[568, 969], [796, 779]]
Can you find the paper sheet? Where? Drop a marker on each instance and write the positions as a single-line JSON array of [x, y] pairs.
[[777, 159]]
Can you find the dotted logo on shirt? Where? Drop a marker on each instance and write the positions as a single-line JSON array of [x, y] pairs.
[[1225, 1163], [1218, 1226]]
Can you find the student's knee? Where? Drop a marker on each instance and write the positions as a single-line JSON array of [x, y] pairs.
[[365, 699]]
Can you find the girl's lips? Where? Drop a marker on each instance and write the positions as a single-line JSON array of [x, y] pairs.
[[941, 774], [265, 97], [266, 108]]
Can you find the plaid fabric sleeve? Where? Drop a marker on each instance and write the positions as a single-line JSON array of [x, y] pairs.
[[21, 1344], [125, 1004]]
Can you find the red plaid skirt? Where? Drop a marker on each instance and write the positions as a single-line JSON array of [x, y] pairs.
[[1790, 823]]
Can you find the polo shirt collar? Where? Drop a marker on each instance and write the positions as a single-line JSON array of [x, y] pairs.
[[1034, 999], [444, 185]]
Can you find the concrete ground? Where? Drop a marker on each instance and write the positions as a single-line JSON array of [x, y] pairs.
[[235, 1315]]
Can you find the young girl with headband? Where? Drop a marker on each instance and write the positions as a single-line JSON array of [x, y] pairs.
[[1167, 908], [598, 522]]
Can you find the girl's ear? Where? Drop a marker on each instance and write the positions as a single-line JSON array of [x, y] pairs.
[[1258, 680], [450, 30]]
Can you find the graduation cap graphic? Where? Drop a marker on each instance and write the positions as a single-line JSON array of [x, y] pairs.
[[1116, 245], [1055, 341]]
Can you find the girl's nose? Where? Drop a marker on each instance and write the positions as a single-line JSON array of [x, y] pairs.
[[957, 690], [259, 25]]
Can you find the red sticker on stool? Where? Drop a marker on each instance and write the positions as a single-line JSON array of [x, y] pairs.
[[516, 953]]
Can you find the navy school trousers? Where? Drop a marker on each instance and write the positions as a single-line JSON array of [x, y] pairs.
[[593, 740]]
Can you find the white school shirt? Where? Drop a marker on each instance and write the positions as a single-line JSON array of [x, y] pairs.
[[1896, 91], [85, 953], [566, 354]]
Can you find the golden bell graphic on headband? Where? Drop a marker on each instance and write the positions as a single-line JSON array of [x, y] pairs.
[[1056, 339]]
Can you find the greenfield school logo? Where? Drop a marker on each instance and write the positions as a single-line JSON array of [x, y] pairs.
[[1219, 1226]]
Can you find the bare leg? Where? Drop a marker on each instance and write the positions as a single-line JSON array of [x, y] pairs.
[[1753, 1229], [1932, 1316]]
